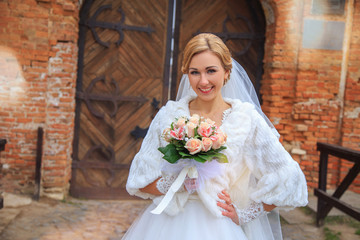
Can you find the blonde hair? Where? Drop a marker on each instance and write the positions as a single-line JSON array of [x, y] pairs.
[[207, 42]]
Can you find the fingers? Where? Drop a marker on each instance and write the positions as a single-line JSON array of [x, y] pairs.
[[230, 215], [226, 207], [225, 196], [225, 193], [227, 204], [233, 216], [229, 209]]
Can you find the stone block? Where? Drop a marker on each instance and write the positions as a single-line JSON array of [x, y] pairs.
[[298, 151], [13, 200]]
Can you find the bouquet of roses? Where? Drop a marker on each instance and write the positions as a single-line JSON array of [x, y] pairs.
[[193, 145], [194, 138]]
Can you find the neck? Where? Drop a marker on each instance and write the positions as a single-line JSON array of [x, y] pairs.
[[208, 107]]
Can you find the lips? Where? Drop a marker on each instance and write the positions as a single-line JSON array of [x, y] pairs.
[[206, 90]]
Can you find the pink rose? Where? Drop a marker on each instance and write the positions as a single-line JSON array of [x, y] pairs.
[[193, 146], [181, 122], [207, 144], [166, 134], [195, 119], [190, 129], [178, 133], [219, 139], [205, 129], [209, 121]]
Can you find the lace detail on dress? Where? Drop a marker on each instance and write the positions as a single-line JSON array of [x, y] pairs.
[[225, 114], [164, 184], [250, 213]]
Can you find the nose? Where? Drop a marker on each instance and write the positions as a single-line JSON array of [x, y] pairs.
[[203, 79]]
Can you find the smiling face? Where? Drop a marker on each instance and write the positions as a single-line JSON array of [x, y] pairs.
[[207, 75]]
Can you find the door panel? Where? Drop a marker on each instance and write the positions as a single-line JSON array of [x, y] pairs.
[[122, 52], [241, 25]]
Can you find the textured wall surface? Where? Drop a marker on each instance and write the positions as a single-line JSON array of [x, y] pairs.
[[310, 94], [38, 54], [313, 94]]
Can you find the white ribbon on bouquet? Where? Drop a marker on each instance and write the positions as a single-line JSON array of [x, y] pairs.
[[191, 168]]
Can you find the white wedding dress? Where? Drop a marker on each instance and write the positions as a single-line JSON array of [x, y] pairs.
[[259, 170], [194, 222], [197, 223]]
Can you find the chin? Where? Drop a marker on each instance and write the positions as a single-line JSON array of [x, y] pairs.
[[206, 98]]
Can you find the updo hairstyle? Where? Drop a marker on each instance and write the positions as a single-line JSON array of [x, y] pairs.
[[207, 42]]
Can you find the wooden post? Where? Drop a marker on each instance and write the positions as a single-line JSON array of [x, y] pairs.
[[38, 163], [2, 148], [322, 184]]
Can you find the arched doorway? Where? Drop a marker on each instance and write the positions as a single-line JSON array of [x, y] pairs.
[[124, 75]]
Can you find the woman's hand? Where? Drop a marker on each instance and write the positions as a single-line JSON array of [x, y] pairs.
[[241, 216], [191, 184], [229, 209]]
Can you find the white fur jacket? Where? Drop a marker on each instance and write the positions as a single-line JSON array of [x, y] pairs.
[[259, 168]]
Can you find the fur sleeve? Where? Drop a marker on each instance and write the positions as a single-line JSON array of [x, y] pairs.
[[145, 167], [279, 179]]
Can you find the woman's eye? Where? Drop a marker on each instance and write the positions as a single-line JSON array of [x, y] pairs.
[[211, 71], [194, 72]]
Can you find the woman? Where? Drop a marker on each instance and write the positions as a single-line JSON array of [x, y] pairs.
[[260, 174]]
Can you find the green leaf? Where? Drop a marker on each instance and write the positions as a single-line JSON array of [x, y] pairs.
[[199, 159], [221, 158], [220, 149], [180, 148], [183, 154], [210, 152], [170, 153], [196, 134], [206, 157], [176, 143]]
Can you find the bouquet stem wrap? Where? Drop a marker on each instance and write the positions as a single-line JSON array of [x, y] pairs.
[[192, 169]]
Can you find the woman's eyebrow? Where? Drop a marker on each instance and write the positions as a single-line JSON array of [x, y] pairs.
[[192, 68], [212, 67]]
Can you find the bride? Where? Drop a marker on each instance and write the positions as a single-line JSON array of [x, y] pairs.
[[260, 178]]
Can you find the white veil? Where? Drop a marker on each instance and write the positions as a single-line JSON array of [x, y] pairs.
[[239, 86]]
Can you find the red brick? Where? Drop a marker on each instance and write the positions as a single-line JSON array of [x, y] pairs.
[[292, 78]]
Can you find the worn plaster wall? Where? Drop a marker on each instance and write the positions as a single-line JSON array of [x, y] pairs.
[[38, 54], [310, 94]]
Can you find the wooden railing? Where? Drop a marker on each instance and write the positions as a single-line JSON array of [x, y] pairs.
[[325, 201]]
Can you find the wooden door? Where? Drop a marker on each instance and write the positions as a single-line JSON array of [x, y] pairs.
[[123, 75], [240, 23], [122, 48]]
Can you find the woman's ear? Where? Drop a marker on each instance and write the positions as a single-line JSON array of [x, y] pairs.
[[227, 76]]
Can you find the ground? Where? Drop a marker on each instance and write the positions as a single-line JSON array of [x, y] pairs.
[[76, 219]]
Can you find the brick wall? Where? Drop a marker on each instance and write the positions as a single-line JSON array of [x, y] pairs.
[[350, 132], [302, 88], [38, 54]]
